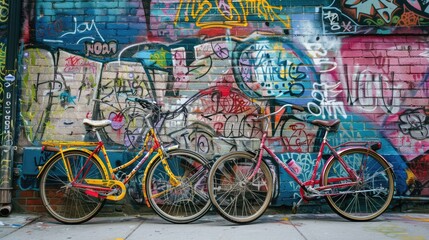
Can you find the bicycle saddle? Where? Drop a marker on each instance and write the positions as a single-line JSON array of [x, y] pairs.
[[97, 123], [332, 124]]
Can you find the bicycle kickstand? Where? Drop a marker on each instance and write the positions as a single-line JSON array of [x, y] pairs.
[[295, 206]]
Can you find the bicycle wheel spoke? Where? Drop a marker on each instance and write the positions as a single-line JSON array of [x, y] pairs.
[[187, 201], [370, 195], [236, 196], [63, 201]]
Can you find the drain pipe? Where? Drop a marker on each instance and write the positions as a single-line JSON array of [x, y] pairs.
[[9, 107], [6, 180]]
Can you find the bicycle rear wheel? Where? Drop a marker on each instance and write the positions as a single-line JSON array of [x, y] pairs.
[[189, 200], [236, 198], [62, 201], [371, 196]]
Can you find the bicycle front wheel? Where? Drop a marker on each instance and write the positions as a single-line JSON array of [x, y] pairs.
[[187, 201], [369, 197], [64, 202], [236, 197]]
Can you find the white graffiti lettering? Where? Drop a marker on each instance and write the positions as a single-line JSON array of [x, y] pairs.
[[331, 107]]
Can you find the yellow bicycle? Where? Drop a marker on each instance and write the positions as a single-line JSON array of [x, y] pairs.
[[75, 182]]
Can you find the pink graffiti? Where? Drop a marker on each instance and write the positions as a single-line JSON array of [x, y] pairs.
[[223, 99], [180, 70], [376, 70], [118, 120], [76, 64], [381, 75]]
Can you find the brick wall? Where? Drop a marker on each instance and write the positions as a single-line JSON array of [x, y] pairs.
[[365, 64]]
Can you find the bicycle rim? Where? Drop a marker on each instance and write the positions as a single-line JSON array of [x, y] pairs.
[[367, 199], [63, 202], [189, 200], [236, 198]]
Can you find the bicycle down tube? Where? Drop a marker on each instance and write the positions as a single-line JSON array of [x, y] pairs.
[[312, 181]]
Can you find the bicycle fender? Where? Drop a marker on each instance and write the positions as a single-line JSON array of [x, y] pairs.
[[144, 178], [332, 157], [42, 168], [170, 149]]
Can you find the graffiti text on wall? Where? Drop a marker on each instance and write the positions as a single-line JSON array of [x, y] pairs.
[[227, 14], [344, 16]]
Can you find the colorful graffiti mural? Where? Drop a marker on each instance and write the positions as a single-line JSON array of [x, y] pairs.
[[215, 65], [344, 17]]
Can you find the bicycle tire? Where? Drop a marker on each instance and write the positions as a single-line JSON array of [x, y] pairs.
[[236, 199], [370, 197], [63, 202], [184, 203]]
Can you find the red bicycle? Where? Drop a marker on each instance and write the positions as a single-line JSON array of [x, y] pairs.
[[357, 182]]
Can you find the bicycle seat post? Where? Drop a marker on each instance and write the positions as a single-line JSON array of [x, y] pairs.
[[97, 134], [148, 120]]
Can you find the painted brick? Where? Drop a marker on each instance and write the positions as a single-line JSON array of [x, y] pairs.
[[419, 53], [399, 69], [129, 19], [117, 11], [381, 46], [107, 4], [361, 46], [398, 60], [49, 12], [364, 61], [63, 5], [89, 4], [419, 69], [130, 3], [404, 77], [409, 61], [119, 25], [398, 53], [107, 19], [96, 11]]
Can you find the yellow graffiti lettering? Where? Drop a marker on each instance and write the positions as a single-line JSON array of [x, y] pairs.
[[2, 56], [233, 14], [160, 58]]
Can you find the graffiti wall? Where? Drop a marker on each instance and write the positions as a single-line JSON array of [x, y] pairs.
[[215, 65]]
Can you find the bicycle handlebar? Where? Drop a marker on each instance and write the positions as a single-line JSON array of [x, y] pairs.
[[284, 106], [145, 103]]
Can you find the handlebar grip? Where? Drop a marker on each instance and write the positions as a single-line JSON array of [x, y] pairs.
[[139, 100], [144, 102]]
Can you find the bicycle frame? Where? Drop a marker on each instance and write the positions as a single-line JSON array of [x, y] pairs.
[[309, 185], [94, 186]]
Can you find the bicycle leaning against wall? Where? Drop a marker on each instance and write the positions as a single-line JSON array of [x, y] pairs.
[[357, 182], [75, 182]]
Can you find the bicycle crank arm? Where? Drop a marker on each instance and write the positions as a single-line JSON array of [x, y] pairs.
[[109, 184]]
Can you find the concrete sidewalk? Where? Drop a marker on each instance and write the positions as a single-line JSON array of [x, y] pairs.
[[275, 226]]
